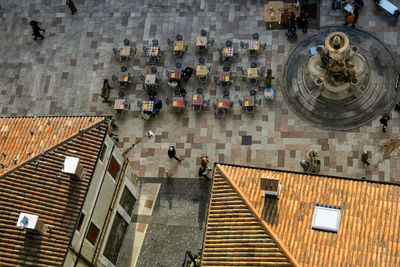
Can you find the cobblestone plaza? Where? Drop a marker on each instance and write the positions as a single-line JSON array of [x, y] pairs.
[[63, 75]]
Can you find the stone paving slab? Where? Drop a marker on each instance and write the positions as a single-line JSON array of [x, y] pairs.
[[63, 75]]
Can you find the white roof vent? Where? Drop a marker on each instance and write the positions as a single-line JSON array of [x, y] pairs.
[[326, 218], [30, 222], [271, 187], [72, 166]]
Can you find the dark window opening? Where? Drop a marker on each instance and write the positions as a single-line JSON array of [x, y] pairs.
[[80, 221], [115, 238], [127, 201], [103, 152], [113, 168], [92, 234]]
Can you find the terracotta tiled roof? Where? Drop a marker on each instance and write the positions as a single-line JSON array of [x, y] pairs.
[[234, 235], [33, 186], [369, 233], [24, 138]]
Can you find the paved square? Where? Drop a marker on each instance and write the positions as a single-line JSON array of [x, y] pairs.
[[63, 75]]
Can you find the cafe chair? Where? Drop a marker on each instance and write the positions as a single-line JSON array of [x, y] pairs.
[[167, 72], [253, 81], [178, 65], [121, 94], [202, 61], [114, 78], [196, 108], [154, 42], [219, 50], [241, 70], [210, 43], [168, 101], [170, 42], [261, 73], [200, 91], [263, 46], [256, 36], [214, 106], [228, 43], [259, 102], [240, 102], [127, 42], [140, 105], [249, 109], [253, 52], [116, 52], [153, 70], [244, 45], [253, 92], [206, 103], [179, 37], [123, 68], [253, 65], [133, 52], [233, 77], [203, 32], [225, 94], [142, 77], [219, 113], [144, 49], [216, 79]]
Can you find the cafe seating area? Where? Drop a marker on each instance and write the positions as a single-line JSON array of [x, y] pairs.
[[177, 76]]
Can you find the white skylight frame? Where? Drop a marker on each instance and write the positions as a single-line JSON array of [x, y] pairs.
[[326, 219]]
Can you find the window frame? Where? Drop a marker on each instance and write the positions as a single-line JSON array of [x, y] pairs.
[[103, 152], [80, 221], [97, 234]]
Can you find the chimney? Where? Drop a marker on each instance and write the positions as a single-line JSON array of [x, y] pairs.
[[31, 223], [270, 187], [72, 167]]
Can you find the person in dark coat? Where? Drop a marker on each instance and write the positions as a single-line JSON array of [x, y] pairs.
[[303, 21], [364, 158], [385, 118], [172, 153], [36, 30], [71, 6]]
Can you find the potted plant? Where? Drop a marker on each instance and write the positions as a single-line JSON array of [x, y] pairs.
[[268, 79]]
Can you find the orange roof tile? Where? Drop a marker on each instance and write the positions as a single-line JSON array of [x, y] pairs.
[[25, 138], [234, 235], [35, 189], [370, 220]]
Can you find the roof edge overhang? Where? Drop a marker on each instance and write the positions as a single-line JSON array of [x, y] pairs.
[[285, 250]]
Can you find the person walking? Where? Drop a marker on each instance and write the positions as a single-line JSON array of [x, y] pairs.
[[71, 6], [364, 158], [303, 21], [36, 30], [204, 167], [384, 120], [172, 153], [350, 19]]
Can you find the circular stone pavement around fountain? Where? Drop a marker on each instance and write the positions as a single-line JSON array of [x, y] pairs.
[[365, 103]]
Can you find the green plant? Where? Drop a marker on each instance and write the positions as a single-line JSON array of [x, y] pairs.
[[268, 79]]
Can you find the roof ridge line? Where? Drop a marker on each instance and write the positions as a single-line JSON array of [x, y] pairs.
[[257, 215], [51, 148], [311, 174]]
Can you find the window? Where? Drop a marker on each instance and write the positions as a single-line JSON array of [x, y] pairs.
[[115, 238], [127, 201], [80, 221], [103, 151], [326, 218], [92, 234], [113, 168]]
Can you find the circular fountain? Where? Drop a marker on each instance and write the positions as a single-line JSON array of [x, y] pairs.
[[341, 86]]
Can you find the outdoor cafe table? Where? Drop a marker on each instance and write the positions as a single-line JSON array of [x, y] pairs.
[[223, 103], [201, 41], [124, 77], [148, 105], [252, 73], [197, 99], [228, 52], [125, 51], [254, 45], [201, 70], [388, 6], [225, 77], [153, 51], [119, 104], [175, 75], [150, 79], [180, 46], [249, 101], [177, 102]]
